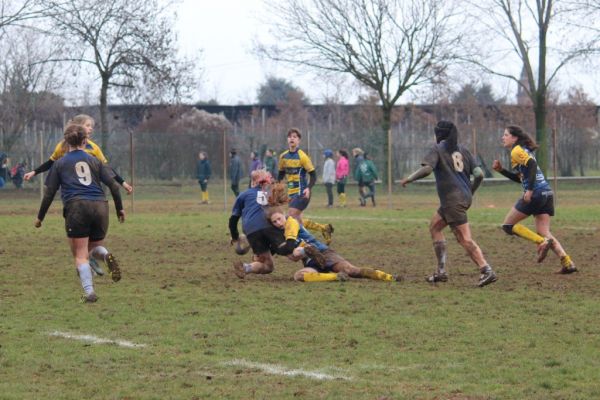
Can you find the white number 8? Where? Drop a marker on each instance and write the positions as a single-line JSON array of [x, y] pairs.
[[83, 172], [457, 157]]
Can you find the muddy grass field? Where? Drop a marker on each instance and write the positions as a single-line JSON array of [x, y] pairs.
[[181, 325]]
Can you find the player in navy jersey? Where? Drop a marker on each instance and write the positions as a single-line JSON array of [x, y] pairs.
[[79, 177], [537, 199], [453, 166]]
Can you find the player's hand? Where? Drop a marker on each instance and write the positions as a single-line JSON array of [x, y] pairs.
[[404, 182], [306, 193], [37, 223], [29, 175], [527, 196], [128, 187], [497, 166], [122, 216]]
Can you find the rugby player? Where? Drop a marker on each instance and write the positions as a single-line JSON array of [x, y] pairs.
[[453, 166], [537, 199], [78, 175]]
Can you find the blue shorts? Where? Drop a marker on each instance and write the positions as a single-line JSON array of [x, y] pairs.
[[299, 202], [542, 202]]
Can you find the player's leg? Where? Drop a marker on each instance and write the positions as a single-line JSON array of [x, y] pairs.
[[98, 231], [79, 248], [436, 227], [542, 225], [511, 226], [308, 274], [463, 236], [297, 206]]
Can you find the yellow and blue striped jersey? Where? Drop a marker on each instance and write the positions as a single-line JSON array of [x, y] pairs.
[[296, 165], [91, 148], [519, 156]]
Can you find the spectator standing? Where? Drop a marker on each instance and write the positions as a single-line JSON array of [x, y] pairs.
[[203, 174], [367, 175], [17, 174], [271, 162], [342, 169], [255, 164], [235, 171], [359, 158], [329, 175]]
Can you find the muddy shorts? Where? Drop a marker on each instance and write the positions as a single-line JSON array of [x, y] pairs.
[[455, 215], [86, 218], [299, 202], [331, 259]]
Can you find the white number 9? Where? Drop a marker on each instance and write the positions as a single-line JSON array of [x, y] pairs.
[[82, 169], [457, 158]]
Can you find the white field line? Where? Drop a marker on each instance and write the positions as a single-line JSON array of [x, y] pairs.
[[97, 340], [280, 370], [426, 221]]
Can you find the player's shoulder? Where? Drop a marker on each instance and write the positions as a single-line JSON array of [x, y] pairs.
[[302, 154], [519, 151]]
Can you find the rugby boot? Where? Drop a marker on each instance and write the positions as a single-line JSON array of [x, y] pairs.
[[96, 267], [314, 254], [543, 249], [437, 277], [487, 276], [238, 269], [113, 267], [89, 298], [327, 232], [568, 267]]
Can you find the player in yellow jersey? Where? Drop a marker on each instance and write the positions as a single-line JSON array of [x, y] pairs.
[[537, 199], [295, 165], [322, 265]]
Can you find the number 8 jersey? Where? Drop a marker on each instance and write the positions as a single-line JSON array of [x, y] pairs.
[[453, 172], [79, 176]]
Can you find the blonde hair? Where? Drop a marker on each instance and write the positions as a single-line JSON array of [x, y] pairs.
[[79, 119]]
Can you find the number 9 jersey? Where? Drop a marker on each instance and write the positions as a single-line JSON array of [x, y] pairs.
[[79, 176], [453, 172]]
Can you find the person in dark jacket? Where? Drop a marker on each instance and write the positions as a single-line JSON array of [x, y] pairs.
[[255, 164], [203, 174], [235, 172], [367, 174], [271, 162]]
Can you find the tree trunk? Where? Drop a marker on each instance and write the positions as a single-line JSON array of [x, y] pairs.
[[386, 123], [104, 114], [541, 136]]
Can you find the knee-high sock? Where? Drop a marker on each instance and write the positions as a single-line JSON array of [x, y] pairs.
[[375, 274], [314, 226], [440, 252], [85, 276], [99, 252], [526, 233], [319, 277]]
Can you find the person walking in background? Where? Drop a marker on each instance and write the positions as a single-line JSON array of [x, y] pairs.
[[203, 174], [537, 199], [342, 168], [359, 158], [235, 171], [329, 176], [367, 175], [3, 169], [453, 166], [271, 162]]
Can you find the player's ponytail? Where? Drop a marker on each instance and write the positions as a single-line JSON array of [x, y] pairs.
[[523, 139]]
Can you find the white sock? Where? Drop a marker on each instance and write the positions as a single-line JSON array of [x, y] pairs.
[[99, 252], [85, 276]]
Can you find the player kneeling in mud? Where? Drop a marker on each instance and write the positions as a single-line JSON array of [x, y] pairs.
[[333, 268], [264, 238]]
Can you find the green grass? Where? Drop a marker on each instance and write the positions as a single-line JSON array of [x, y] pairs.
[[531, 335]]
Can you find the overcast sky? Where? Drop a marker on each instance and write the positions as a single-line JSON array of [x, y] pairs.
[[225, 30]]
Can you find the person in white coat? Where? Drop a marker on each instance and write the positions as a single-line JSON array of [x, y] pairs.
[[329, 176]]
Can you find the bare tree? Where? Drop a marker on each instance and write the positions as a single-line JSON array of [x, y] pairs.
[[131, 44], [543, 35], [389, 46], [26, 85], [14, 12]]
